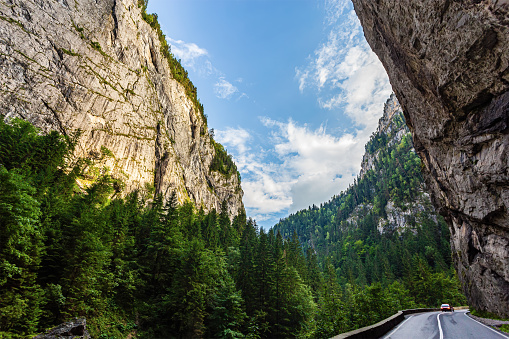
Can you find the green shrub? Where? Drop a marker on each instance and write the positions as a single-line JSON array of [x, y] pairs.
[[222, 161], [485, 314]]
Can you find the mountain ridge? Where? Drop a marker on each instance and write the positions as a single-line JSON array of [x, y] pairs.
[[391, 132]]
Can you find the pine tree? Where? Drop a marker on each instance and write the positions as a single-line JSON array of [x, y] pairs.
[[225, 228], [20, 251]]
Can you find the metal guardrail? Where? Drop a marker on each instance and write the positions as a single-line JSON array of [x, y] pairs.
[[379, 329]]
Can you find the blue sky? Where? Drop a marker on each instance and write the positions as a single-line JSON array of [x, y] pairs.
[[290, 87]]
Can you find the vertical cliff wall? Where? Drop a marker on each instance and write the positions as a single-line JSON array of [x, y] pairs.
[[448, 64], [96, 66]]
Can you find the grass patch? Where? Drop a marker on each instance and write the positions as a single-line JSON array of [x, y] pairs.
[[485, 314], [95, 45], [106, 152], [78, 29], [71, 52], [504, 328], [15, 22]]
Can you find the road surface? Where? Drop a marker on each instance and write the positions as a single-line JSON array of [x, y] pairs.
[[438, 325]]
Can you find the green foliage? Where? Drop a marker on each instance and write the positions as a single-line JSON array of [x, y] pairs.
[[485, 314], [504, 328], [226, 315], [133, 266], [69, 52], [95, 45], [143, 266], [29, 164], [20, 250], [222, 161], [106, 152]]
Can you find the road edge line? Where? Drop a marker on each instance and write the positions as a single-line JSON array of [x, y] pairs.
[[394, 330], [440, 326], [497, 332]]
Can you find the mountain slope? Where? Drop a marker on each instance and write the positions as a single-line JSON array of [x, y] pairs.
[[383, 224], [100, 68]]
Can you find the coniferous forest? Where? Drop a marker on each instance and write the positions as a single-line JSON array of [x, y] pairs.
[[349, 235], [140, 266], [135, 265]]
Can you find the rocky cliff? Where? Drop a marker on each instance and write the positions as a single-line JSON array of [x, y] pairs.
[[448, 63], [97, 67], [388, 128], [405, 215]]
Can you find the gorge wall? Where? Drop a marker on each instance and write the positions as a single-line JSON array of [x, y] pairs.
[[448, 63], [97, 67]]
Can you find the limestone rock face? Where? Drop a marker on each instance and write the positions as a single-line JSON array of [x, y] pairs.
[[448, 63], [96, 66]]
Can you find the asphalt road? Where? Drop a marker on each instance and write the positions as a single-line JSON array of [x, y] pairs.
[[438, 325]]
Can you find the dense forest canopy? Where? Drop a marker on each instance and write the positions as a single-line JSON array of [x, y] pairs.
[[133, 262], [138, 265]]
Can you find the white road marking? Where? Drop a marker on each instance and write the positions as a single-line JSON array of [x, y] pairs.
[[486, 326], [388, 336], [440, 327]]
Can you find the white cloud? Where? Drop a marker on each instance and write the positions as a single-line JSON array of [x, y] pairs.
[[302, 167], [319, 163], [334, 9], [224, 89], [235, 137], [189, 52], [266, 187], [345, 72]]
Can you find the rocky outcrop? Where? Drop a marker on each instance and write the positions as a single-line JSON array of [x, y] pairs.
[[74, 329], [448, 63], [413, 212], [391, 129], [96, 67]]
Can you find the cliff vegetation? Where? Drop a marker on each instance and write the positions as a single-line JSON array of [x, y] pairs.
[[177, 70]]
